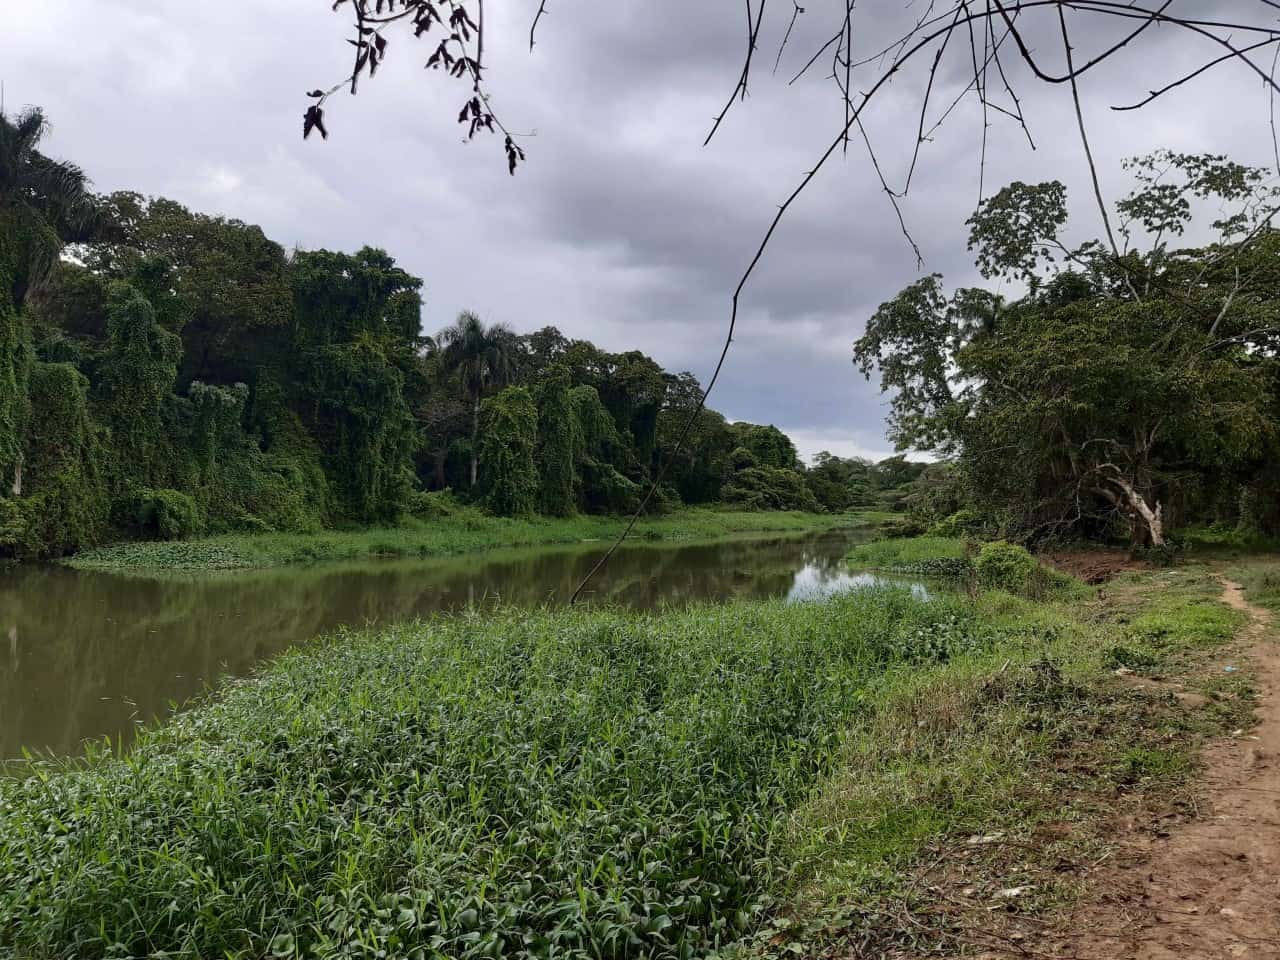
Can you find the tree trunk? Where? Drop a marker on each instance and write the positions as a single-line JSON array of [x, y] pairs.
[[17, 477], [439, 457], [1151, 518], [475, 435]]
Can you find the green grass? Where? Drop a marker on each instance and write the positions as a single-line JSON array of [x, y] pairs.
[[927, 556], [599, 783], [564, 783], [1219, 540], [911, 550], [462, 531], [1260, 580], [1031, 732]]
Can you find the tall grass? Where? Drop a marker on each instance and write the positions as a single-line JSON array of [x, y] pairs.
[[542, 784], [942, 556], [462, 531]]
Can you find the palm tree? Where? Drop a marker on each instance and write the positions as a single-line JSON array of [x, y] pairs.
[[484, 357], [41, 201]]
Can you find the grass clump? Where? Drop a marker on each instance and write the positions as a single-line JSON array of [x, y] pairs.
[[437, 528], [570, 784], [924, 556]]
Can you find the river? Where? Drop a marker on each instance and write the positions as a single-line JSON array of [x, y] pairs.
[[87, 655]]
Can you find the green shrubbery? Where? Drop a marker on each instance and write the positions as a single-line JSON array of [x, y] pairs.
[[560, 783], [769, 488], [962, 523], [161, 514], [1004, 566]]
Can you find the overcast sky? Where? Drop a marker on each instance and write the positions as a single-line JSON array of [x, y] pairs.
[[622, 228]]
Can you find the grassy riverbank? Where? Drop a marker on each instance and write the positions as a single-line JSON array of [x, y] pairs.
[[601, 783], [461, 531]]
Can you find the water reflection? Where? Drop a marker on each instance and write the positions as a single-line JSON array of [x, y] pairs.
[[92, 654], [817, 582]]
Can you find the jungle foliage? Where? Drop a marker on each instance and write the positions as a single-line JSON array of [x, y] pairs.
[[1128, 393], [167, 374]]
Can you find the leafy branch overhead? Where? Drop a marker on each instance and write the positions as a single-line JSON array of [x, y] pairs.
[[458, 51]]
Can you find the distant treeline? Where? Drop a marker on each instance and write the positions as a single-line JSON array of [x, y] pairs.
[[164, 373]]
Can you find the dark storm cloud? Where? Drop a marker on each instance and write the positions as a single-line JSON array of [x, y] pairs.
[[621, 228]]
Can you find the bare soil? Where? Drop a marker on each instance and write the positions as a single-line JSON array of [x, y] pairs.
[[1208, 887], [1093, 566]]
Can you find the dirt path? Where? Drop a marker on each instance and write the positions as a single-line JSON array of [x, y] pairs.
[[1209, 888]]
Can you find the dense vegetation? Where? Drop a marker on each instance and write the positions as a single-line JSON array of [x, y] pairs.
[[589, 784], [532, 784], [166, 374], [1129, 393]]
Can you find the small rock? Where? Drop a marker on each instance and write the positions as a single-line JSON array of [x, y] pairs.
[[981, 840], [1229, 913], [1009, 893]]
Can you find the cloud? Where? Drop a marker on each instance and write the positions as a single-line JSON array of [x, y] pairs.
[[622, 227]]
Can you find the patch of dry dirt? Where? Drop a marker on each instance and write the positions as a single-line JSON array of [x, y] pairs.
[[1093, 566], [1210, 887]]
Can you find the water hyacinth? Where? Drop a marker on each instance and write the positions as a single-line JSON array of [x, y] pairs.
[[547, 784]]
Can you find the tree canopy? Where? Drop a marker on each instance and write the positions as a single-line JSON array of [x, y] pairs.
[[172, 373], [1137, 392]]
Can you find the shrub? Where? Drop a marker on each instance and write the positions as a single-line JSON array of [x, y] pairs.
[[161, 513], [1006, 566], [959, 524], [902, 527], [431, 505]]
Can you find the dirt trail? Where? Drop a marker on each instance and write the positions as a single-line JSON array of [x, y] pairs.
[[1208, 888]]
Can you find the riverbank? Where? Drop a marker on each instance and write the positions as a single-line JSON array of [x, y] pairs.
[[628, 783], [461, 531]]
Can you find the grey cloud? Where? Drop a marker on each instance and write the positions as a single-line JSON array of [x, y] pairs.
[[622, 227]]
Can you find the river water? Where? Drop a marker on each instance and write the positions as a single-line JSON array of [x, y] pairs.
[[86, 655]]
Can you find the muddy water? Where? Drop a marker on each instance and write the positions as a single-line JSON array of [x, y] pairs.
[[88, 655]]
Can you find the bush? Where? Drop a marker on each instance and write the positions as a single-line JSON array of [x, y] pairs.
[[1006, 566], [431, 505], [959, 524], [161, 513]]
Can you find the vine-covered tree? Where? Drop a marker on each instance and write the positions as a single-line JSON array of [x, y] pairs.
[[559, 443], [483, 358], [40, 200], [140, 370], [509, 479]]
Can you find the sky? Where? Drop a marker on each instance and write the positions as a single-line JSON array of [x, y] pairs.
[[622, 227]]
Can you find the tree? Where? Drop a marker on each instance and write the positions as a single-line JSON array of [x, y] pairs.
[[41, 201], [840, 483], [509, 477], [769, 445], [1116, 388], [220, 283], [140, 372], [697, 467], [483, 357], [559, 442]]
